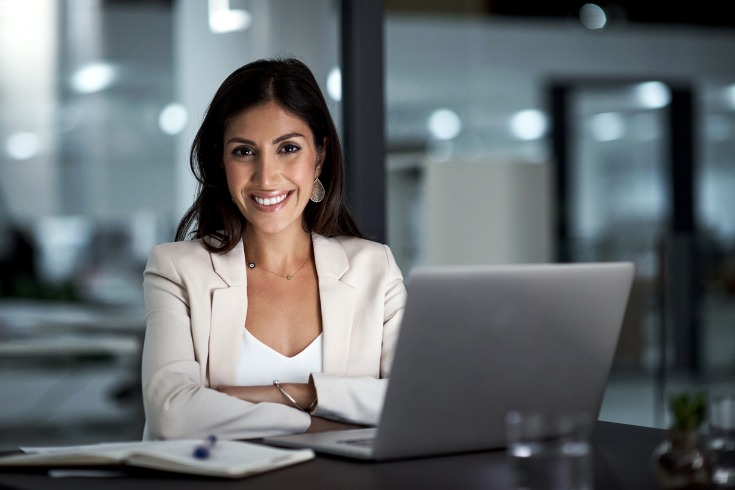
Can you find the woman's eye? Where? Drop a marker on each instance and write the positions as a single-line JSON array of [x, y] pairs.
[[242, 152], [290, 148]]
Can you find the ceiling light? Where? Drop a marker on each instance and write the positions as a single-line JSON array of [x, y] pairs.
[[22, 146], [608, 126], [334, 84], [653, 95], [444, 124], [172, 119], [592, 16], [527, 125], [93, 78], [222, 19]]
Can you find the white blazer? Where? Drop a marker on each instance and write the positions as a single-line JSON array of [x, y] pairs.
[[196, 306]]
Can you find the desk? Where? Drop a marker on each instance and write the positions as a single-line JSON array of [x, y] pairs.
[[622, 462]]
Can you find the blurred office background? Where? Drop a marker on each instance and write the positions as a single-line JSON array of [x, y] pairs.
[[514, 132]]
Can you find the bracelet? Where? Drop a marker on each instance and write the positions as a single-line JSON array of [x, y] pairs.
[[290, 398], [311, 407]]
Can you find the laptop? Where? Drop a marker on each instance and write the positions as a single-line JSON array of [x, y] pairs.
[[479, 341]]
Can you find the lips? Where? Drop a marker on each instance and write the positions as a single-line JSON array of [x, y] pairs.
[[270, 200]]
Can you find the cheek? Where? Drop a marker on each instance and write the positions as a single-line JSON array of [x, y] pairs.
[[235, 179], [233, 174], [307, 171], [228, 177], [307, 176]]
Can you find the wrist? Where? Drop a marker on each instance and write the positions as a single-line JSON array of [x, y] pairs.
[[300, 396]]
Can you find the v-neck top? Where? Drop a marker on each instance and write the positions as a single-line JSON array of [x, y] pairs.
[[259, 364]]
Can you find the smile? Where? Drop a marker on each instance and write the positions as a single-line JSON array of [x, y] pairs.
[[271, 201]]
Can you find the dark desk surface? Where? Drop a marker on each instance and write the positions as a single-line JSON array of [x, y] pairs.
[[622, 461]]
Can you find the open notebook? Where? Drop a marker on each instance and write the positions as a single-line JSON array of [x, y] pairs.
[[477, 342], [226, 459]]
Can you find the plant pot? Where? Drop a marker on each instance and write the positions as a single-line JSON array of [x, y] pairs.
[[680, 461]]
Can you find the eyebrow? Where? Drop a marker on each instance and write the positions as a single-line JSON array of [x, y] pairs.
[[237, 139]]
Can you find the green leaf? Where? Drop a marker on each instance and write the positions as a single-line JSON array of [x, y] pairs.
[[689, 410]]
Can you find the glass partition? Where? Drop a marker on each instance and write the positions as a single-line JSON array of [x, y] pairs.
[[99, 101], [472, 175], [715, 202]]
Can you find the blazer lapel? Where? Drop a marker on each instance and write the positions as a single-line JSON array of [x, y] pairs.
[[229, 309], [337, 302]]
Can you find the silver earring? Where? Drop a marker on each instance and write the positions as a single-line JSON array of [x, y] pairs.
[[317, 191]]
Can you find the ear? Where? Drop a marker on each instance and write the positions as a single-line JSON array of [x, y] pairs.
[[321, 156]]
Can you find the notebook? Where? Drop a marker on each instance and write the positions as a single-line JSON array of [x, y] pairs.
[[477, 342], [224, 459]]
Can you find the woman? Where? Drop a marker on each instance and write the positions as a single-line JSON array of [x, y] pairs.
[[277, 317]]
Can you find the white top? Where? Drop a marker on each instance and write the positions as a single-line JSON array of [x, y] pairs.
[[258, 364]]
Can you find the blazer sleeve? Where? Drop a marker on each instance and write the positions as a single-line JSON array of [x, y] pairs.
[[177, 399], [359, 399]]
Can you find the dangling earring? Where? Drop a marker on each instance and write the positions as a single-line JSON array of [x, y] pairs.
[[317, 191]]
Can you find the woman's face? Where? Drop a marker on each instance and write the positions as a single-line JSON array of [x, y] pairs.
[[270, 163]]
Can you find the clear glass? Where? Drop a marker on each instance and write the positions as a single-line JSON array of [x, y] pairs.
[[550, 451], [721, 440]]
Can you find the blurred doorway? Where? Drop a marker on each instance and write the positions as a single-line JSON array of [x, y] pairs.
[[625, 177]]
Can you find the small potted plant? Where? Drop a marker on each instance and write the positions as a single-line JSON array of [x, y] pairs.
[[680, 462]]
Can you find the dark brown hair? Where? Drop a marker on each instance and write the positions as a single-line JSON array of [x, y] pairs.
[[291, 84]]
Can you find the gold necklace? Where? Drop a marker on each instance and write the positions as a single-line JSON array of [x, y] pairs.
[[251, 265]]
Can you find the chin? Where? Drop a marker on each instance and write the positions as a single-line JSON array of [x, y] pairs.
[[273, 228]]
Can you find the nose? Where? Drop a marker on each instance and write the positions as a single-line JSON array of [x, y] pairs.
[[266, 171]]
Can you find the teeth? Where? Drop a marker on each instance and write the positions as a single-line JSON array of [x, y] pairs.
[[269, 201]]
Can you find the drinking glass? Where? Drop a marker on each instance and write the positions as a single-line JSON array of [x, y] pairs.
[[550, 451], [721, 440]]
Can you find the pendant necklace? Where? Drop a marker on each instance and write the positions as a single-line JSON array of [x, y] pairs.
[[251, 265]]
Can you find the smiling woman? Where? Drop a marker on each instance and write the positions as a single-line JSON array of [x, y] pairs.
[[270, 314], [271, 162]]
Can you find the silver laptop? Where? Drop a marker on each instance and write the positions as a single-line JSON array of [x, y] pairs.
[[477, 342]]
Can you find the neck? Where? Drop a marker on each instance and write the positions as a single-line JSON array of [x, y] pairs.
[[277, 252]]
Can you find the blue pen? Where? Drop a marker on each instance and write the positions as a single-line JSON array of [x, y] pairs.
[[202, 450]]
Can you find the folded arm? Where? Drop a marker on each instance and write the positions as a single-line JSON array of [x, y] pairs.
[[304, 394]]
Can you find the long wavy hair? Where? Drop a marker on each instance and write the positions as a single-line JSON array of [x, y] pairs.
[[291, 84]]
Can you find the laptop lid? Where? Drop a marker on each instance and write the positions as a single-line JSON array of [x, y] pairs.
[[478, 341]]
